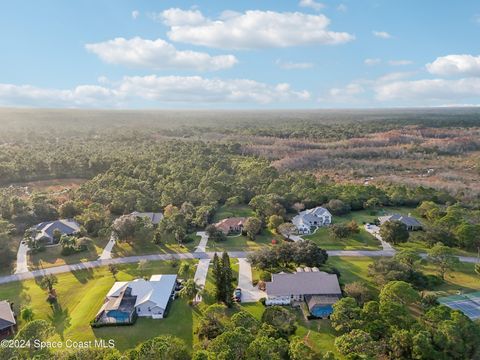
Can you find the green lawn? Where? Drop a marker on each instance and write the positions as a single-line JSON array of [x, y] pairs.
[[241, 243], [414, 243], [52, 255], [319, 334], [463, 278], [169, 245], [81, 294], [361, 241], [225, 211]]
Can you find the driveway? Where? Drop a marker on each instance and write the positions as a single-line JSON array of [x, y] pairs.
[[202, 246], [201, 276], [107, 252], [22, 259], [250, 293], [375, 231]]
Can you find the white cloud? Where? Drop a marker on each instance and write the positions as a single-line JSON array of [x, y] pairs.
[[154, 90], [287, 65], [342, 8], [177, 17], [311, 4], [464, 65], [430, 89], [382, 34], [476, 18], [135, 14], [393, 76], [372, 61], [400, 62], [157, 54], [80, 96], [344, 95], [253, 29]]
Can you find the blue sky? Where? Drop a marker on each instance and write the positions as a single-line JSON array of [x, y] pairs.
[[239, 54]]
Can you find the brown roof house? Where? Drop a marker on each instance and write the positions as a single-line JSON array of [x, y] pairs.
[[7, 320], [231, 225], [318, 289]]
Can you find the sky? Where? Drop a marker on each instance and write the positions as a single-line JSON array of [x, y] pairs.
[[303, 54]]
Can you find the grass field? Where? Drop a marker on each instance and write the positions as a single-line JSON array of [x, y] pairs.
[[361, 241], [81, 293], [225, 211], [52, 255], [169, 245], [241, 242]]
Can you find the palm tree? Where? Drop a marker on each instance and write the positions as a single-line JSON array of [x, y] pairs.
[[27, 314], [184, 269], [190, 290]]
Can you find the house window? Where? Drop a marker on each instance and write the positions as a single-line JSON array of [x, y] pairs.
[[149, 310]]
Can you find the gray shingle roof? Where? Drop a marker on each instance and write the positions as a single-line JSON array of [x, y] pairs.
[[303, 283], [7, 318], [154, 217], [65, 226], [407, 220]]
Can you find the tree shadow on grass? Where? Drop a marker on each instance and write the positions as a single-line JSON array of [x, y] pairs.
[[84, 275], [60, 319]]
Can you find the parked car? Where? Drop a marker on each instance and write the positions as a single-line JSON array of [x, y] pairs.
[[237, 295]]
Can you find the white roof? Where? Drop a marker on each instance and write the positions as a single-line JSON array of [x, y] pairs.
[[307, 216], [156, 290]]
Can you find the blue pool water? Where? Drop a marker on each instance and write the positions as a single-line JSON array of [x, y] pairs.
[[322, 311]]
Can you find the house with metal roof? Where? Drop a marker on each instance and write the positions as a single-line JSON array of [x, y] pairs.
[[154, 217], [127, 300], [410, 222], [310, 219], [45, 230], [8, 322], [318, 289]]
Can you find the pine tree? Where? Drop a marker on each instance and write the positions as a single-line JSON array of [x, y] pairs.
[[227, 279], [218, 278]]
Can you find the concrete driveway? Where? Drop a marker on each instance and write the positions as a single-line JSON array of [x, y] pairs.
[[202, 246], [22, 259], [375, 231], [201, 276], [107, 252], [250, 293]]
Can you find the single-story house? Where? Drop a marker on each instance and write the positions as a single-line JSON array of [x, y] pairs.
[[45, 230], [318, 289], [410, 222], [128, 299], [154, 217], [231, 225], [8, 322], [312, 218]]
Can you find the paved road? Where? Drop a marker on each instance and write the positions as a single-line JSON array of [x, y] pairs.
[[250, 293], [22, 259], [202, 246], [107, 252], [199, 255]]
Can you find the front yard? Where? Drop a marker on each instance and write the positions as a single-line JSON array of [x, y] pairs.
[[242, 243], [52, 255]]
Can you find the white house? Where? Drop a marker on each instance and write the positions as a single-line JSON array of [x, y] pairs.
[[307, 219], [146, 298]]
